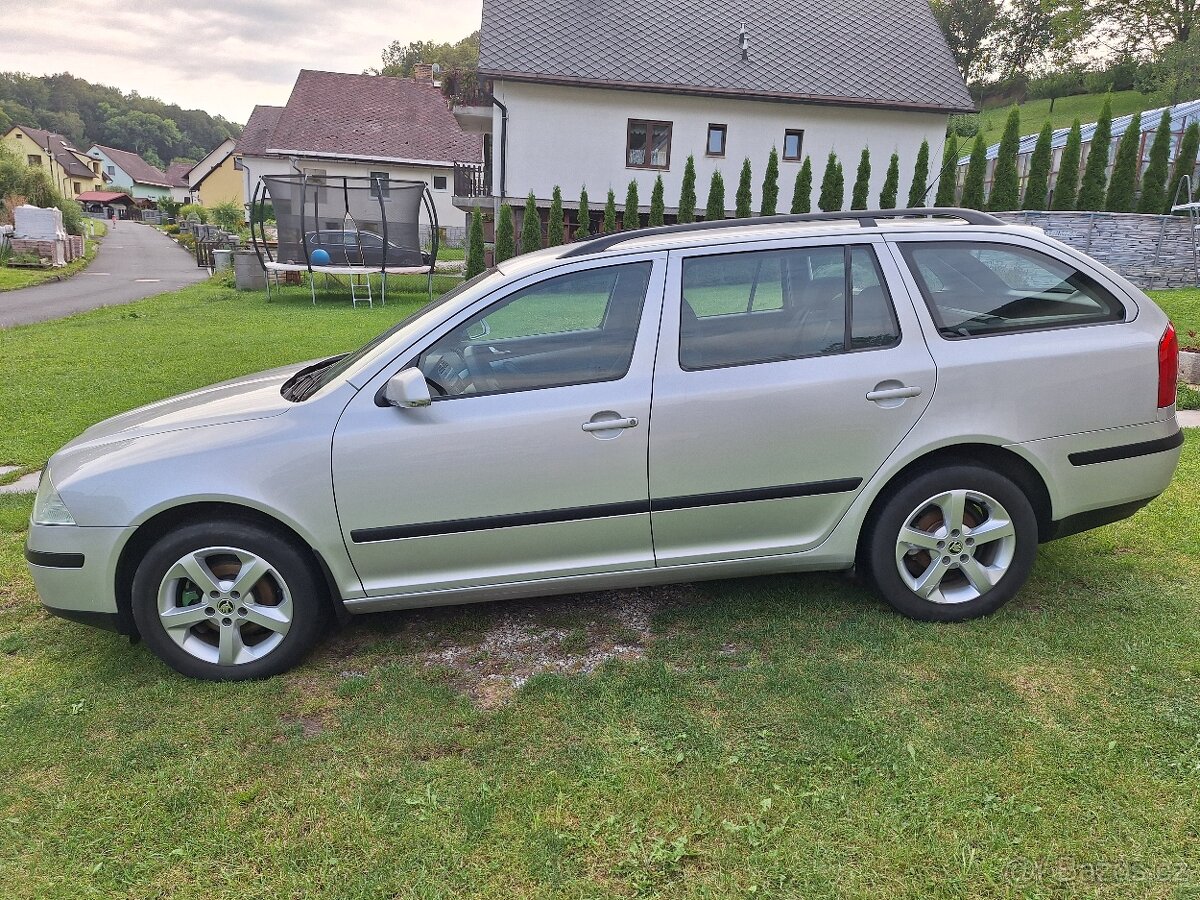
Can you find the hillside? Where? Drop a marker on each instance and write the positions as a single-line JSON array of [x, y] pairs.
[[1085, 107], [90, 113]]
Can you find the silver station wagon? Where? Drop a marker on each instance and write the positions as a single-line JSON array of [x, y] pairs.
[[922, 394]]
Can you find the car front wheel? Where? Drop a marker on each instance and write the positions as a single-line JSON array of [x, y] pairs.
[[228, 601], [953, 544]]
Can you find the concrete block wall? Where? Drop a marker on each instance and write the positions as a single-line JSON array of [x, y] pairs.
[[1151, 251]]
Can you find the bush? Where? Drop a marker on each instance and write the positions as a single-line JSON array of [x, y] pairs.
[[715, 207], [531, 227], [657, 204], [862, 181], [171, 229], [916, 191], [802, 190], [1006, 184], [475, 258], [891, 184], [1067, 185], [229, 215], [1123, 187], [505, 236], [948, 173], [965, 125], [554, 228], [687, 193], [833, 185], [770, 188], [743, 198]]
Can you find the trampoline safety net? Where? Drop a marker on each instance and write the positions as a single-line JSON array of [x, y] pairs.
[[357, 221]]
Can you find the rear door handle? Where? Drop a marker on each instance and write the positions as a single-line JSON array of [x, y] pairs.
[[610, 424], [896, 393]]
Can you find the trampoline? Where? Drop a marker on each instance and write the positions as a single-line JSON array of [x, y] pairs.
[[352, 226]]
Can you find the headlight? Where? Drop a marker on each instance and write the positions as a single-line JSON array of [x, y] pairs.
[[48, 508]]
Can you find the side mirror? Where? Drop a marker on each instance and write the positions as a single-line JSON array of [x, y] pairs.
[[407, 389]]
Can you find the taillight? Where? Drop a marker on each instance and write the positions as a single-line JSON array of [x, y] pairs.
[[1168, 367]]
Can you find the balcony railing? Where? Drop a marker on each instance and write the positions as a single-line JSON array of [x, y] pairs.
[[464, 87], [472, 180]]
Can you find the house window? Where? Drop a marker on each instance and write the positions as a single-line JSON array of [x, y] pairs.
[[793, 143], [380, 184], [716, 140], [112, 170], [75, 184], [648, 145], [439, 182], [33, 159]]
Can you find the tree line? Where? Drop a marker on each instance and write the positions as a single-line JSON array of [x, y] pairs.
[[88, 113]]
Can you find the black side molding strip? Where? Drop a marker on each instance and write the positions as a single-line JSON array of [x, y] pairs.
[[779, 492], [603, 511], [54, 560], [486, 523], [1126, 451]]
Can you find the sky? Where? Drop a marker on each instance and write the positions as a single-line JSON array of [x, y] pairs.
[[222, 56]]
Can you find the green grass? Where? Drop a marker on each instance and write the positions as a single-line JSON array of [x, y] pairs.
[[13, 279], [1188, 397], [1183, 308], [1085, 107], [783, 737]]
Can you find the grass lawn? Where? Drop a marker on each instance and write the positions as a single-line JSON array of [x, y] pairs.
[[779, 737], [1085, 107], [11, 279]]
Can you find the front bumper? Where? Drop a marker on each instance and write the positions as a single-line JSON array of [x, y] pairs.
[[74, 570]]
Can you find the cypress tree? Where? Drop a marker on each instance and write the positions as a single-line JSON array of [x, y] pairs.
[[1038, 183], [531, 227], [1185, 162], [972, 195], [687, 193], [585, 216], [1006, 183], [1067, 184], [505, 237], [947, 175], [475, 260], [802, 192], [1154, 181], [656, 204], [770, 186], [631, 219], [554, 230], [1123, 187], [744, 198], [862, 181], [891, 184], [715, 208], [833, 186], [610, 213], [916, 192], [1095, 170]]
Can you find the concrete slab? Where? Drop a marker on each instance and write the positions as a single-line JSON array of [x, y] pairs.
[[1188, 418], [4, 470], [26, 484]]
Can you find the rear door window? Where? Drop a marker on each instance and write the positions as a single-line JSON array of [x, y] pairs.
[[762, 306], [975, 289]]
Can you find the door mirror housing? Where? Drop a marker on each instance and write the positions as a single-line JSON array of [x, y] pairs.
[[407, 389]]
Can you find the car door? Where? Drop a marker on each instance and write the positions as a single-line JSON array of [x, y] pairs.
[[775, 399], [530, 462]]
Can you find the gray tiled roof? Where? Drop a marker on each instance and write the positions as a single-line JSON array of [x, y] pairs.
[[62, 150], [887, 53], [371, 116], [136, 167]]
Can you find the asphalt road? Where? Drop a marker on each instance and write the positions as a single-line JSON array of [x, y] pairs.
[[133, 262]]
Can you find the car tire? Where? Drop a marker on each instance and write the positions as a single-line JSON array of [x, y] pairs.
[[952, 544], [228, 601]]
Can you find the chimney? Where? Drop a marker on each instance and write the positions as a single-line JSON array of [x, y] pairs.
[[423, 72]]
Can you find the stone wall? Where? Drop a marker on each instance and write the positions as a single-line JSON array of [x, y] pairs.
[[1151, 251]]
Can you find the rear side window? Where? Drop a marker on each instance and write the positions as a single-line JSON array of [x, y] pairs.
[[977, 289], [754, 307]]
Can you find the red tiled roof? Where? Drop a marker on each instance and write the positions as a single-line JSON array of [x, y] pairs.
[[256, 136], [177, 174], [103, 197], [135, 167], [371, 116]]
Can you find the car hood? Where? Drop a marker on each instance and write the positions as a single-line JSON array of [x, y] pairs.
[[251, 397]]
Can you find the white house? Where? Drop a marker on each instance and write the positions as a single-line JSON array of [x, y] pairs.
[[360, 125], [596, 95]]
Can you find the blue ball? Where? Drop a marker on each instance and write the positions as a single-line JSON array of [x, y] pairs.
[[319, 257]]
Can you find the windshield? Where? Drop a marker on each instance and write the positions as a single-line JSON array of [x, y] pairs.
[[308, 381]]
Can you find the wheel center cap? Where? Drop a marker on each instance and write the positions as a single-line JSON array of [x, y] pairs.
[[225, 607], [955, 547]]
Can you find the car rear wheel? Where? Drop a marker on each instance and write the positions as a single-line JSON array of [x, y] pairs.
[[228, 601], [953, 544]]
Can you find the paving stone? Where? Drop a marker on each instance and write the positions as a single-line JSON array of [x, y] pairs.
[[26, 484]]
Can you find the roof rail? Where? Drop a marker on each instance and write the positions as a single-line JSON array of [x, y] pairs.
[[865, 218]]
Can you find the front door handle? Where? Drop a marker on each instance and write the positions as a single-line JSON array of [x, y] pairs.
[[609, 424], [897, 393]]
